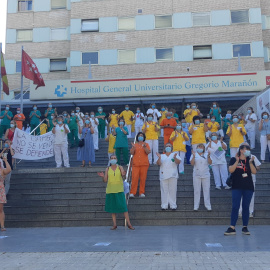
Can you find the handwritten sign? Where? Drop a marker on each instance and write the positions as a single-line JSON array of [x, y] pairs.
[[29, 147]]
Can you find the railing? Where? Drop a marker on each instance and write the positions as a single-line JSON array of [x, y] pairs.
[[25, 88]]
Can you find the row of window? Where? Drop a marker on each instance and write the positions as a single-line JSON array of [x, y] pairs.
[[55, 65], [27, 5]]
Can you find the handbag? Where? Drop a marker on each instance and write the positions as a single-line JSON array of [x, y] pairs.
[[229, 180], [81, 141], [126, 187]]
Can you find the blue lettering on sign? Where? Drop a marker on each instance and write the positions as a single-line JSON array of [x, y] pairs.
[[164, 86], [107, 89], [244, 83]]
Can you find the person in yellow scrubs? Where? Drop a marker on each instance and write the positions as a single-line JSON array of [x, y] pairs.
[[127, 114]]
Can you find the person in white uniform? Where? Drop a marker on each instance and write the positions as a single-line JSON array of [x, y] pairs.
[[250, 126], [94, 122], [60, 131], [139, 120], [217, 149], [80, 116], [201, 176], [154, 111], [168, 175], [264, 128]]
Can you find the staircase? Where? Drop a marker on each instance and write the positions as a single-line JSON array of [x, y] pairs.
[[42, 195]]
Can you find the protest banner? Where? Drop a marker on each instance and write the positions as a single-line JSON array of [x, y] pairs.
[[29, 147]]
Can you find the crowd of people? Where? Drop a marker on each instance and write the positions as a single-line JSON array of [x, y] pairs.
[[188, 140]]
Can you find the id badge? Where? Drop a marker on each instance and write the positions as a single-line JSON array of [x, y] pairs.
[[244, 175]]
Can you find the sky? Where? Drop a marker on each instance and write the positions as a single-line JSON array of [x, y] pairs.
[[3, 11]]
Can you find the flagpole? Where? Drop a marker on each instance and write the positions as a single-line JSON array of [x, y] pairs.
[[0, 75], [21, 84]]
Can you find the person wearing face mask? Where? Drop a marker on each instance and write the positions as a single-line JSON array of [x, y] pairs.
[[264, 128], [26, 128], [10, 132], [241, 118], [208, 119], [168, 125], [250, 126], [236, 132], [43, 127], [140, 164], [86, 153], [113, 119], [73, 124], [128, 117], [191, 112], [197, 130], [179, 139], [34, 122], [111, 139], [60, 130], [138, 117], [241, 167], [51, 120], [115, 196], [175, 115], [200, 160], [163, 113], [216, 111], [151, 130], [5, 117], [3, 200], [188, 143], [94, 123], [49, 111], [168, 175], [121, 142], [217, 149], [66, 117], [101, 116], [187, 114], [7, 149], [214, 126], [154, 111], [19, 118], [80, 116]]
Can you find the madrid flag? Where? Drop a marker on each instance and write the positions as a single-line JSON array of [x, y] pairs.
[[30, 70], [4, 75]]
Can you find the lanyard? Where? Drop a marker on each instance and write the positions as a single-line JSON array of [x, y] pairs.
[[243, 166]]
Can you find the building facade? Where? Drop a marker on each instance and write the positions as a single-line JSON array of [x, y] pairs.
[[130, 39]]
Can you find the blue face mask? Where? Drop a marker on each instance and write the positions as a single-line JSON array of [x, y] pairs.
[[265, 116], [178, 127], [35, 108], [140, 139], [214, 138], [60, 122], [184, 125], [247, 153], [77, 111], [188, 107], [163, 109], [193, 107], [199, 150], [7, 108], [92, 115], [65, 114], [153, 107], [235, 120], [72, 113], [168, 117], [113, 161], [113, 112], [121, 123], [197, 122], [248, 111], [100, 110], [50, 106], [6, 145], [168, 149], [214, 106], [127, 108], [150, 118], [213, 119], [87, 122], [208, 116], [138, 111]]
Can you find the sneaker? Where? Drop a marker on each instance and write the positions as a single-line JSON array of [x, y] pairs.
[[182, 172], [251, 214], [131, 195], [196, 209], [219, 188], [209, 209], [142, 196], [230, 231], [227, 187], [245, 231]]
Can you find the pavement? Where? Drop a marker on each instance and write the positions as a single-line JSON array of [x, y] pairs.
[[156, 247]]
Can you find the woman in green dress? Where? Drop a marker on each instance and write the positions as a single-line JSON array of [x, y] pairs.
[[115, 196]]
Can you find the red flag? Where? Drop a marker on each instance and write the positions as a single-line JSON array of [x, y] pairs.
[[30, 70], [4, 75]]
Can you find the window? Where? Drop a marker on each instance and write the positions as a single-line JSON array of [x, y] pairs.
[[25, 5], [240, 16], [241, 49], [202, 52], [267, 22], [126, 24], [90, 56], [58, 34], [58, 64], [201, 19], [58, 4], [126, 56], [90, 26], [18, 66], [24, 35], [164, 54], [163, 21]]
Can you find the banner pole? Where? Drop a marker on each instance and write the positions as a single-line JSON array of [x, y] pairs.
[[21, 97]]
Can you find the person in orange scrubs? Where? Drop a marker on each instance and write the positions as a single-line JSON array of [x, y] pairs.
[[19, 118], [168, 125], [140, 164]]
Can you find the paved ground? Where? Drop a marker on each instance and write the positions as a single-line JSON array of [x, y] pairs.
[[157, 248]]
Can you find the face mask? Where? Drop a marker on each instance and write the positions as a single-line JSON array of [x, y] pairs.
[[92, 116], [178, 127], [35, 108], [199, 150], [163, 109], [6, 145], [60, 122], [214, 106], [193, 107], [239, 117], [265, 116], [197, 122], [138, 111], [214, 138], [113, 161], [235, 120], [12, 125], [72, 113], [127, 108], [52, 117], [77, 111], [188, 106], [184, 125], [121, 123], [140, 139], [168, 117], [150, 118], [113, 112], [168, 149], [153, 107], [208, 116], [7, 108], [100, 110], [247, 153], [87, 122], [65, 114], [213, 120], [228, 115], [18, 112], [50, 106], [249, 111]]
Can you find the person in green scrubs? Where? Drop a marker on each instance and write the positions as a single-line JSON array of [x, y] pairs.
[[6, 117], [100, 115], [73, 126], [34, 120], [50, 111], [50, 120]]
